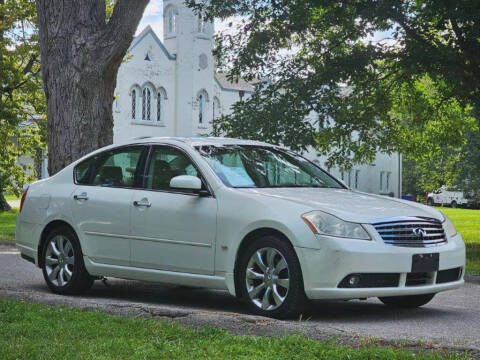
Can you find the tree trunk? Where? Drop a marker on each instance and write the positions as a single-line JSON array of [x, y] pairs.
[[81, 53], [4, 206]]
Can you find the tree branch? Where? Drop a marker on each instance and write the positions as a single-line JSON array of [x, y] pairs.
[[118, 34]]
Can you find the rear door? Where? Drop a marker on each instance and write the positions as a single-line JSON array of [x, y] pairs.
[[101, 203]]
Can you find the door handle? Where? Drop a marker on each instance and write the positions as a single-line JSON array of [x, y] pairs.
[[143, 203], [82, 196]]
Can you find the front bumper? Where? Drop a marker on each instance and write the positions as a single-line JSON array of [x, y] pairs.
[[324, 268]]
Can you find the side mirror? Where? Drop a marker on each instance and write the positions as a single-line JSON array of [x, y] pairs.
[[186, 182]]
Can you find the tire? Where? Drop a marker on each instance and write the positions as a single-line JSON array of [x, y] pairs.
[[453, 204], [430, 202], [408, 302], [274, 278], [61, 256]]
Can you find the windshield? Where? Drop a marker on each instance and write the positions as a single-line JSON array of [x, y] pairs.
[[246, 166]]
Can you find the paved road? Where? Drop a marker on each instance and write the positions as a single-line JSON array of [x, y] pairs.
[[451, 319], [14, 203]]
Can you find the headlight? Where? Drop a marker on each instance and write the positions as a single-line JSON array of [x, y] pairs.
[[326, 224], [449, 227]]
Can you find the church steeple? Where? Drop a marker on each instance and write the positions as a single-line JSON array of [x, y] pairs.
[[188, 36], [180, 24]]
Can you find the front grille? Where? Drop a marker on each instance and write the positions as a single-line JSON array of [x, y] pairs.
[[411, 232]]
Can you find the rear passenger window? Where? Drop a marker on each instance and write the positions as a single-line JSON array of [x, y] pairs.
[[118, 168], [83, 170]]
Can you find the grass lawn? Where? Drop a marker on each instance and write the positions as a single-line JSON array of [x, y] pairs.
[[10, 197], [7, 224], [32, 332], [467, 223]]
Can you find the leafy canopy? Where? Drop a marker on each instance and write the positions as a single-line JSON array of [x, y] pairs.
[[353, 64], [22, 101]]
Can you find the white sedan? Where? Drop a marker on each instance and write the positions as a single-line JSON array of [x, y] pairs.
[[255, 219]]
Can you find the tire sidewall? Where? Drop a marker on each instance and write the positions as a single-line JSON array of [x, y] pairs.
[[79, 271], [294, 302]]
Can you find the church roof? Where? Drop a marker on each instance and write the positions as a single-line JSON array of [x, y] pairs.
[[148, 30], [237, 85]]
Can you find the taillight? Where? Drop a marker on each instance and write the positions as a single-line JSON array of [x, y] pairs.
[[24, 196]]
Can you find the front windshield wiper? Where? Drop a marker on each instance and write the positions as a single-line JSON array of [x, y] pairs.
[[300, 186]]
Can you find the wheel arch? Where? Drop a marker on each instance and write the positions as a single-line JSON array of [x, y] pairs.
[[46, 230], [249, 239]]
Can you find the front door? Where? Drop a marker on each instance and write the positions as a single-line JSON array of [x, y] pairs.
[[101, 203], [172, 230]]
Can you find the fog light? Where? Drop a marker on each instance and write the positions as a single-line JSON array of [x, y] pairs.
[[354, 280]]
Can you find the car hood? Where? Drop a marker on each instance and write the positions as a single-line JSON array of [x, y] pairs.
[[349, 205]]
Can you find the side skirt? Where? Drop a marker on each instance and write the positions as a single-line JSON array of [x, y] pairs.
[[153, 275]]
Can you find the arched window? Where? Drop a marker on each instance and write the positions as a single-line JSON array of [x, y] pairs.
[[202, 100], [201, 108], [159, 107], [161, 97], [146, 104], [171, 20], [134, 103], [201, 24], [217, 111]]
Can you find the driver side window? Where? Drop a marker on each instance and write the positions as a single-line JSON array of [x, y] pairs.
[[165, 164]]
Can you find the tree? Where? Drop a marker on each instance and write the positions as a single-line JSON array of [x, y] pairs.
[[21, 95], [81, 50], [469, 162], [321, 58]]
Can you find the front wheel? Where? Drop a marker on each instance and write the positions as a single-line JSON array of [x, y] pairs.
[[62, 263], [270, 278], [430, 202], [453, 204], [409, 301]]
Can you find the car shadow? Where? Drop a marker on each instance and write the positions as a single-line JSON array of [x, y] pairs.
[[340, 311]]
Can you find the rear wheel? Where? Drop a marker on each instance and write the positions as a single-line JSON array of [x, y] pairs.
[[410, 301], [62, 263], [453, 204], [270, 278], [430, 202]]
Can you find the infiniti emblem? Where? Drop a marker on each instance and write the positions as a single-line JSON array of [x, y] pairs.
[[421, 233]]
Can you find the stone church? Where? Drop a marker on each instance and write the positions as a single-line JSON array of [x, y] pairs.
[[170, 87]]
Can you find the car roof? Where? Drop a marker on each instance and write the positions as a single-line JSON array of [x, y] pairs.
[[196, 141]]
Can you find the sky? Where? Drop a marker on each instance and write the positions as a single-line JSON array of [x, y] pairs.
[[153, 16]]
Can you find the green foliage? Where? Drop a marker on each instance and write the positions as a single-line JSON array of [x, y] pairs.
[[22, 101], [321, 57], [468, 165], [109, 6], [7, 224], [467, 223], [430, 130], [32, 332]]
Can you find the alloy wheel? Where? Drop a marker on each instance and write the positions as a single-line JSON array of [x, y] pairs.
[[267, 278], [59, 260]]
